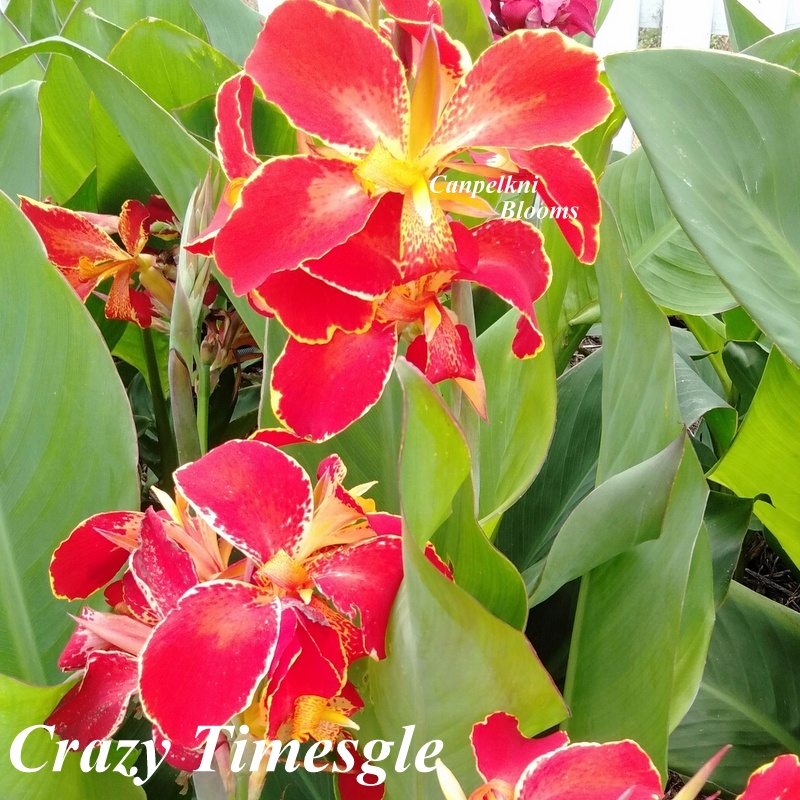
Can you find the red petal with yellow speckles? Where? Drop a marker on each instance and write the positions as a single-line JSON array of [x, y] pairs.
[[361, 581], [496, 106], [320, 389], [589, 771], [68, 236], [235, 128], [162, 569], [134, 229], [292, 209], [426, 246], [512, 263], [313, 665], [503, 753], [312, 310], [363, 96], [367, 264], [203, 663], [95, 707], [779, 780], [125, 303], [81, 645], [567, 186], [253, 495], [86, 560], [449, 354]]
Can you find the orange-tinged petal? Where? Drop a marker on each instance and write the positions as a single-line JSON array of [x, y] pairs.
[[252, 494], [312, 310], [234, 133], [134, 227], [292, 209], [425, 96], [203, 663], [125, 303], [68, 236], [567, 186], [531, 88], [333, 75], [319, 389], [779, 780]]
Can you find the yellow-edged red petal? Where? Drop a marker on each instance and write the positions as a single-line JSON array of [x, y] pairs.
[[568, 188], [292, 209], [779, 780], [532, 88], [333, 75], [313, 310], [234, 134], [253, 495], [204, 662], [319, 389]]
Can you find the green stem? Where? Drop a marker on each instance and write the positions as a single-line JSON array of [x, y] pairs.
[[203, 393], [166, 443], [264, 409], [467, 416], [711, 337]]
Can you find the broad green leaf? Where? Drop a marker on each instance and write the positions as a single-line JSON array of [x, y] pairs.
[[67, 442], [22, 706], [174, 68], [466, 21], [765, 456], [11, 39], [528, 528], [745, 362], [450, 663], [739, 325], [68, 148], [661, 254], [153, 135], [699, 401], [727, 518], [782, 48], [748, 696], [521, 402], [729, 176], [624, 511], [632, 633], [744, 27], [20, 133], [35, 19], [477, 565], [434, 457], [232, 26], [627, 632], [641, 415]]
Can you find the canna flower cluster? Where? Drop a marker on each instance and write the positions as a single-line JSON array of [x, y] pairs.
[[247, 597], [514, 767], [346, 243], [80, 246], [569, 16]]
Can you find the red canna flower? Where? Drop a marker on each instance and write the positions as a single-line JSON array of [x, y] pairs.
[[349, 244], [569, 16], [775, 781], [516, 768], [269, 636], [80, 246]]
